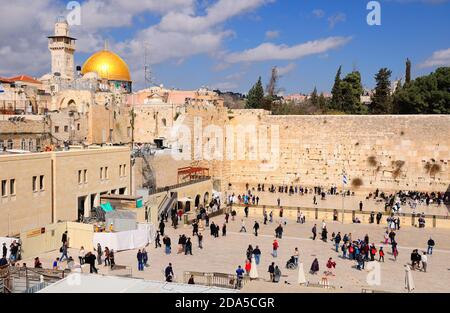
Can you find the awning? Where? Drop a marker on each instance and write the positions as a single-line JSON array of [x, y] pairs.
[[107, 207]]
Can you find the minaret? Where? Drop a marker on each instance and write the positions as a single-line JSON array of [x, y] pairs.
[[62, 48]]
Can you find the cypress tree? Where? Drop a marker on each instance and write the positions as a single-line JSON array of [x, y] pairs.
[[255, 98]]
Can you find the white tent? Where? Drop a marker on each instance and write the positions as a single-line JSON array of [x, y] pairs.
[[301, 274], [254, 269], [409, 282]]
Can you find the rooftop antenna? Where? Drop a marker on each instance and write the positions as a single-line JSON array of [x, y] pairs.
[[147, 69]]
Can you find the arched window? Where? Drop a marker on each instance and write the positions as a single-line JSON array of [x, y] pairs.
[[31, 145]]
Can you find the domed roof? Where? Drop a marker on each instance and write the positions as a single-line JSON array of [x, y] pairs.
[[107, 65]]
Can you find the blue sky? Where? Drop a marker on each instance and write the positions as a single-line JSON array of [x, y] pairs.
[[215, 43]]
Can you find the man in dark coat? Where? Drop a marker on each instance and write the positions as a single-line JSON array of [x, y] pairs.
[[256, 227]]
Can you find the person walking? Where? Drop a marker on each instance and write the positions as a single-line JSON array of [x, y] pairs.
[[140, 261], [111, 258], [157, 240], [168, 272], [246, 211], [64, 238], [430, 244], [188, 247], [99, 253], [145, 257], [314, 267], [395, 251], [167, 243], [200, 241], [248, 266], [4, 251], [275, 247], [424, 260], [337, 240], [314, 232], [257, 254], [107, 257], [239, 277], [90, 259], [271, 271], [64, 252], [255, 228], [81, 255], [381, 254], [243, 227]]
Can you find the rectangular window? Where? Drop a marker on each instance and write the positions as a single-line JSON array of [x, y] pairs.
[[78, 126], [85, 176], [120, 170], [34, 183], [12, 187], [41, 182], [56, 129], [66, 129], [4, 192], [79, 177]]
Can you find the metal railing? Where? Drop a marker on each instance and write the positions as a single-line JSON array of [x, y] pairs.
[[316, 210], [221, 280], [22, 279]]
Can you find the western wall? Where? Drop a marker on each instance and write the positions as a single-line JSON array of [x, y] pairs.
[[401, 152]]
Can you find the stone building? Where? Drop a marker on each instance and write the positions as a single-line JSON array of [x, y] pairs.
[[41, 188]]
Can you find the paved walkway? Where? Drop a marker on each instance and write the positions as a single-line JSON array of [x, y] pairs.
[[335, 202], [225, 253]]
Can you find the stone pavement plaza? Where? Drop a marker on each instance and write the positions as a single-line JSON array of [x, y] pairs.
[[335, 202], [224, 254]]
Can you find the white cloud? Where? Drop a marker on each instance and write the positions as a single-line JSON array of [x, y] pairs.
[[269, 51], [286, 69], [225, 86], [272, 34], [318, 13], [218, 13], [181, 32], [438, 58], [336, 18]]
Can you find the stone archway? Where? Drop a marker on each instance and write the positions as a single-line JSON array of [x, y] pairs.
[[197, 202]]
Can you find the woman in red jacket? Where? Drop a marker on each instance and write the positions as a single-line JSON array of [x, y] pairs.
[[248, 266]]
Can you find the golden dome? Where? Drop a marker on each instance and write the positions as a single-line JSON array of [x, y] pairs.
[[107, 65]]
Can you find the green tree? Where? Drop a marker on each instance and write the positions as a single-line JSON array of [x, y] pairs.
[[336, 92], [352, 90], [428, 94], [381, 99], [322, 102], [314, 98], [255, 96]]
